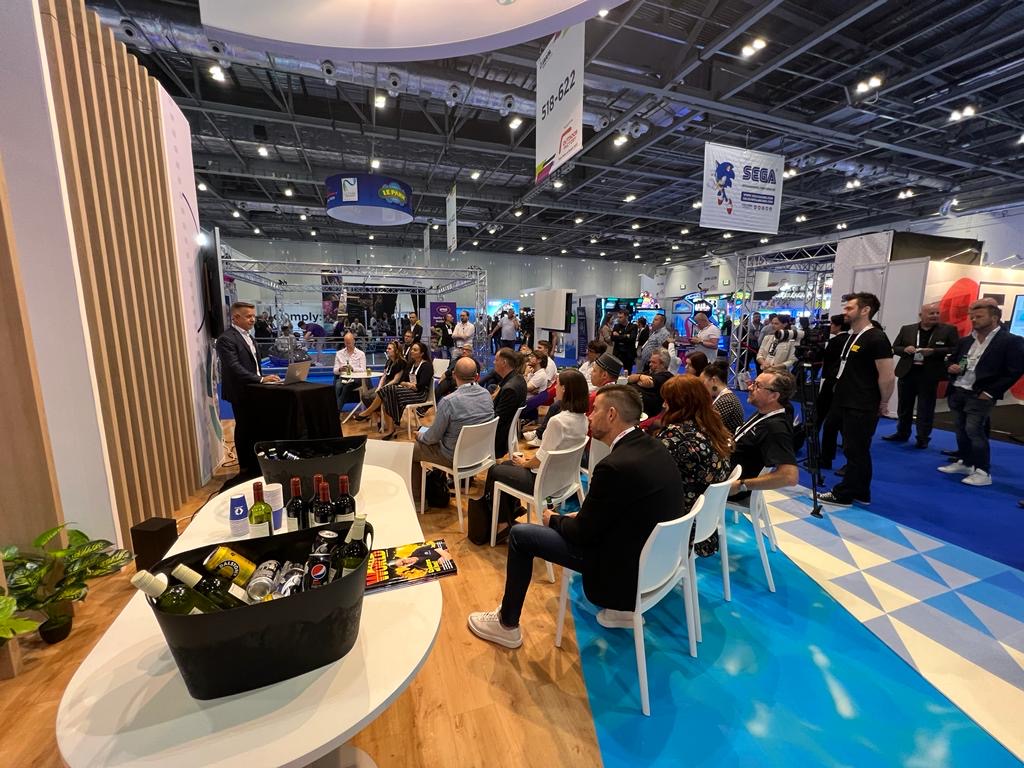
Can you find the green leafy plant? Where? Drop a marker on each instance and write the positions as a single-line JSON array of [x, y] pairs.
[[46, 579], [11, 625]]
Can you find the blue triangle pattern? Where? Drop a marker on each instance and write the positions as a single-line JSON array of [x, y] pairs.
[[919, 565], [856, 584], [887, 633], [878, 525], [951, 605]]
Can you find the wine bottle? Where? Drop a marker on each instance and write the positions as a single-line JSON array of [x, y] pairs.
[[345, 504], [220, 591], [260, 513], [322, 509], [178, 599], [354, 551], [296, 510], [317, 479]]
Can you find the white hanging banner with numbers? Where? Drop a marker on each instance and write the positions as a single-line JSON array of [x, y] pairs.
[[452, 220], [742, 189], [559, 101], [426, 246]]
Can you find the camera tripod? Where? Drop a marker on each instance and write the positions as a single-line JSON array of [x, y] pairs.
[[808, 388]]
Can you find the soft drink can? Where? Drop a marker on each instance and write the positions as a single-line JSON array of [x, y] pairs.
[[325, 543], [228, 564], [238, 516], [318, 571], [289, 582], [262, 582]]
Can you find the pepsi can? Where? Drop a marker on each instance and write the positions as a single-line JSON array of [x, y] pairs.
[[318, 571]]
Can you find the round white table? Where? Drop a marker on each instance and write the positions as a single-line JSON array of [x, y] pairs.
[[127, 704]]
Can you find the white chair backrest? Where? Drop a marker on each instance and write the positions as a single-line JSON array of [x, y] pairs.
[[513, 431], [395, 456], [598, 450], [440, 367], [560, 470], [475, 444], [715, 498], [663, 552]]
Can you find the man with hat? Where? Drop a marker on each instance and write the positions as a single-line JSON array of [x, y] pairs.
[[605, 371]]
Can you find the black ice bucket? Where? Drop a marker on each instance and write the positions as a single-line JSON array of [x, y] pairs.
[[338, 456]]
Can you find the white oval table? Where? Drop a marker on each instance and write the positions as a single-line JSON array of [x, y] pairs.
[[127, 705]]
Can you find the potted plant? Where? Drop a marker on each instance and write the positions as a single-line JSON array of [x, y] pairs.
[[11, 625], [50, 580]]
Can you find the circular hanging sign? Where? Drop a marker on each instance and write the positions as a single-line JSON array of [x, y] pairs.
[[390, 30], [369, 199]]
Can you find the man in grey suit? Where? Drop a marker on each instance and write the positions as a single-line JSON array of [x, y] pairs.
[[922, 349]]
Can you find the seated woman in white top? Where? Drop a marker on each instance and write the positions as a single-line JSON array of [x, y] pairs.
[[567, 429]]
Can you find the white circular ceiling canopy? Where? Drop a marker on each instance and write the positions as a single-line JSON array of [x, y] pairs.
[[390, 30]]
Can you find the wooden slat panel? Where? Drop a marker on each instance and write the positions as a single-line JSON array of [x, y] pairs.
[[29, 498]]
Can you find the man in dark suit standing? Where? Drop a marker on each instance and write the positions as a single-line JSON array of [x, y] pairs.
[[511, 395], [624, 335], [240, 367], [921, 348], [604, 539]]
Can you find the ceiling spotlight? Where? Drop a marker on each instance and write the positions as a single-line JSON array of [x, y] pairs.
[[380, 101], [236, 214], [875, 81], [968, 111], [288, 191], [476, 242], [564, 250], [312, 233], [1021, 139], [474, 175], [202, 240], [543, 237], [593, 241], [603, 12], [620, 140], [636, 256], [841, 226], [435, 227], [375, 163], [697, 204], [668, 259], [519, 249], [636, 243], [515, 123], [202, 187], [578, 220], [255, 230], [558, 184], [684, 231], [303, 217], [801, 219], [634, 225], [747, 51], [675, 247], [491, 230], [217, 73], [954, 201], [863, 87], [955, 115], [262, 151], [629, 198], [764, 240], [727, 236], [518, 212], [603, 253], [902, 195], [758, 43], [371, 237]]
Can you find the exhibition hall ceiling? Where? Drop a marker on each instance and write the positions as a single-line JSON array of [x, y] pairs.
[[885, 110]]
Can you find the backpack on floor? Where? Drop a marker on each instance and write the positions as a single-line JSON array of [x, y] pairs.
[[437, 491]]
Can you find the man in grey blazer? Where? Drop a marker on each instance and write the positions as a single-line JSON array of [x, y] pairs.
[[921, 349]]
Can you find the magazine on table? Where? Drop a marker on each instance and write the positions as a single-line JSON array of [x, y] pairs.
[[408, 564]]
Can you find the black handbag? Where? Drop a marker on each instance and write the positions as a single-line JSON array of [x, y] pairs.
[[437, 491]]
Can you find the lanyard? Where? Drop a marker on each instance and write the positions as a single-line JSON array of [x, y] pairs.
[[846, 351], [754, 422]]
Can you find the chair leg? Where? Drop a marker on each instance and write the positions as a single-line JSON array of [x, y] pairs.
[[723, 553], [696, 600], [458, 502], [766, 520], [563, 600], [641, 662], [759, 538], [688, 605], [494, 516], [423, 488]]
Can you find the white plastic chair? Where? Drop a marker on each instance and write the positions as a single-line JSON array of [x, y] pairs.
[[412, 410], [474, 452], [395, 456], [513, 431], [598, 450], [558, 477], [710, 519], [762, 523], [664, 562]]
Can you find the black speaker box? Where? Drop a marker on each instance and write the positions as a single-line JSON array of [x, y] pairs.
[[151, 539]]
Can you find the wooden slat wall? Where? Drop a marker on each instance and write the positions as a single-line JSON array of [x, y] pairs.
[[29, 499], [108, 120]]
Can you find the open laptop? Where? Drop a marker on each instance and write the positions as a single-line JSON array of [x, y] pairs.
[[297, 372]]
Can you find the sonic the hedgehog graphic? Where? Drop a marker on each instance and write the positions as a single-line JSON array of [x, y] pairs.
[[724, 175]]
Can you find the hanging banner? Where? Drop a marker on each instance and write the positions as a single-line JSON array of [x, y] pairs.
[[742, 189], [559, 101], [453, 228], [426, 246], [368, 199]]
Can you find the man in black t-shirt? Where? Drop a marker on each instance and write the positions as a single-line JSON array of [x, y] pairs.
[[766, 439], [864, 384], [649, 384]]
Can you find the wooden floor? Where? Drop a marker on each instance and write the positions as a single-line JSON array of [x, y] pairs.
[[472, 704]]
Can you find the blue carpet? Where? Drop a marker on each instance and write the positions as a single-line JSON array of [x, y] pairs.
[[784, 679]]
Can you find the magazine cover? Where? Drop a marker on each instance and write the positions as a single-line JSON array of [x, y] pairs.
[[408, 564]]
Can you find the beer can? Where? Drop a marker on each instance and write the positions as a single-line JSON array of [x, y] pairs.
[[325, 542], [318, 571], [262, 582], [228, 564], [289, 582]]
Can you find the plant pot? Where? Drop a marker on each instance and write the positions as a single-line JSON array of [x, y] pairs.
[[55, 629]]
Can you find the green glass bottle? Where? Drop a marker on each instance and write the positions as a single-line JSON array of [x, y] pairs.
[[220, 591], [177, 599], [260, 514], [354, 550]]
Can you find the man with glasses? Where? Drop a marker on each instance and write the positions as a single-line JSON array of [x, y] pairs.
[[766, 439]]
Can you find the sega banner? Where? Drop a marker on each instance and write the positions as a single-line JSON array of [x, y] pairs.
[[742, 189], [559, 101]]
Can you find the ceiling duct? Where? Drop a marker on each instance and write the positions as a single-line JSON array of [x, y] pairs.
[[181, 36], [872, 172]]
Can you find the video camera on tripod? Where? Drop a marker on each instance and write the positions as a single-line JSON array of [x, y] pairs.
[[811, 349]]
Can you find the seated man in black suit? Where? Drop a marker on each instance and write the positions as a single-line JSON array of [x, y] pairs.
[[604, 539], [509, 397], [240, 367]]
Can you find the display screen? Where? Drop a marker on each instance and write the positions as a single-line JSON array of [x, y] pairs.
[[1017, 319], [650, 314], [502, 305]]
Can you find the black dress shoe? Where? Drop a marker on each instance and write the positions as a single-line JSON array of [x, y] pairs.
[[921, 443], [953, 454], [896, 437]]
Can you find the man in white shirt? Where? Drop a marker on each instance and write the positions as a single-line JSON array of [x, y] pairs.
[[508, 327], [347, 360], [706, 339], [464, 330], [551, 367], [594, 350]]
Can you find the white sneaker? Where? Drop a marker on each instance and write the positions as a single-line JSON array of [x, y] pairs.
[[534, 442], [956, 468], [610, 619], [978, 477], [529, 436], [487, 626]]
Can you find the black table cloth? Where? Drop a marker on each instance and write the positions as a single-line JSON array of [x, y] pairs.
[[301, 411]]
